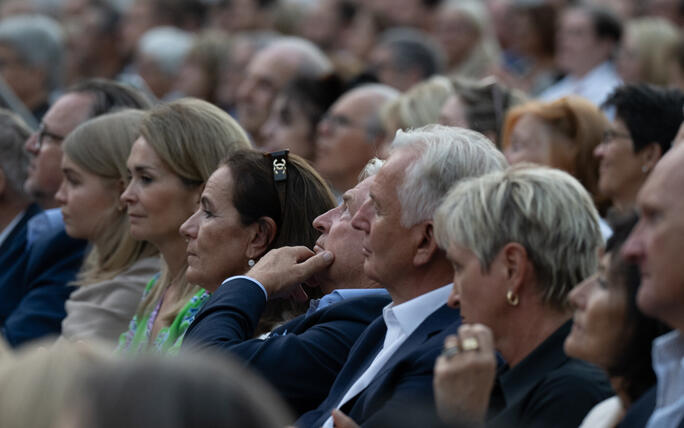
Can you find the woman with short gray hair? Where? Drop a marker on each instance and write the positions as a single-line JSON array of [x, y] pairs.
[[519, 241]]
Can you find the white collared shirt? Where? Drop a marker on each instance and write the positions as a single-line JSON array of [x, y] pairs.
[[10, 227], [401, 321], [668, 364], [594, 86]]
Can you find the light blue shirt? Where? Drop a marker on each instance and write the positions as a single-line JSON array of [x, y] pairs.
[[668, 364], [44, 223]]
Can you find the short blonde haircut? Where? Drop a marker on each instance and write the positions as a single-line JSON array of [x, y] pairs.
[[191, 136], [101, 147], [655, 39], [446, 155], [422, 104], [545, 210]]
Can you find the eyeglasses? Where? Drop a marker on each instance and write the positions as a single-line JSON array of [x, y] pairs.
[[43, 133], [610, 135]]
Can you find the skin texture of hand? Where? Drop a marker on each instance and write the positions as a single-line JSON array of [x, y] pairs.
[[340, 420], [464, 381], [282, 270]]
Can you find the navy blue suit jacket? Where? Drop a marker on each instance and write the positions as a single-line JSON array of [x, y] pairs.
[[404, 382], [33, 281], [302, 357], [640, 411]]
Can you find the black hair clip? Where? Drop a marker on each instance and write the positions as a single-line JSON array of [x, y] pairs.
[[279, 165]]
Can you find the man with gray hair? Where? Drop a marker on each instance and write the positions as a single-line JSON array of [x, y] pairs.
[[390, 366], [31, 50], [269, 71]]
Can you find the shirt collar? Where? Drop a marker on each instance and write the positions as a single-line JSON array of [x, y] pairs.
[[409, 315], [10, 227], [668, 348]]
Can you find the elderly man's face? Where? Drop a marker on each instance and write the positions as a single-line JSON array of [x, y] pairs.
[[44, 173], [657, 241], [267, 73], [26, 81], [387, 245], [338, 236], [343, 145]]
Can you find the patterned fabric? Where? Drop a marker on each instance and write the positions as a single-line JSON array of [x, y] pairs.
[[169, 339]]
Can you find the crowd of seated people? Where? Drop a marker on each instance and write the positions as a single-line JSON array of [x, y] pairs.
[[341, 213]]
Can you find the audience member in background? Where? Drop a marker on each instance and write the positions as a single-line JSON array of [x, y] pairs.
[[243, 47], [269, 71], [390, 365], [188, 391], [511, 284], [672, 10], [587, 39], [560, 134], [532, 41], [31, 53], [405, 56], [180, 145], [644, 55], [676, 64], [33, 283], [302, 357], [159, 57], [464, 29], [610, 332], [247, 209], [348, 135], [655, 245], [236, 16], [647, 119], [480, 106], [199, 74], [114, 274], [419, 106], [296, 112]]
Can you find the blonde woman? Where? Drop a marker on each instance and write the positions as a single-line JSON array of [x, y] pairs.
[[180, 145], [117, 268], [646, 51]]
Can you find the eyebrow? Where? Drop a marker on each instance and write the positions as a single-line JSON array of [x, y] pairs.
[[206, 203]]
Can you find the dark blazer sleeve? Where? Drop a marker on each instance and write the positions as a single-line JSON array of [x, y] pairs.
[[53, 262], [640, 411], [302, 357]]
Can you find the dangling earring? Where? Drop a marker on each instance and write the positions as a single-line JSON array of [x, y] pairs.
[[512, 299], [251, 262]]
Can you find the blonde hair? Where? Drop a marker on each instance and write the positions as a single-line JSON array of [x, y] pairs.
[[655, 39], [191, 136], [545, 210], [101, 147], [419, 106], [577, 119]]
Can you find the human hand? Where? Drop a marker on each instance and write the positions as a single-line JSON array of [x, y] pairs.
[[340, 420], [464, 375], [282, 270]]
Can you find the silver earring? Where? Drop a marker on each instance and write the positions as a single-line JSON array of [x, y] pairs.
[[251, 262], [644, 169]]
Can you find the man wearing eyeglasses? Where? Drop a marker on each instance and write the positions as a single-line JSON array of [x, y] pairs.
[[33, 281], [346, 139]]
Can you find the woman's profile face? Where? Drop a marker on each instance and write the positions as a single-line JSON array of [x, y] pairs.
[[158, 202], [88, 201], [533, 140], [288, 127], [600, 304], [218, 242]]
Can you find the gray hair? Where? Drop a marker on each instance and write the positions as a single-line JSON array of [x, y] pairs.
[[371, 168], [39, 41], [167, 47], [545, 210], [446, 156], [14, 159], [313, 61]]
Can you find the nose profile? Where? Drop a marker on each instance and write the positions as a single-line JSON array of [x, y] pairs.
[[189, 228], [360, 221], [60, 196]]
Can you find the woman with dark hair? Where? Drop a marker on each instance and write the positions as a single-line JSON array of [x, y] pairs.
[[611, 332], [296, 112], [251, 204]]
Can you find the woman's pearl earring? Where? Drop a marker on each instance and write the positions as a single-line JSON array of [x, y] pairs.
[[251, 262]]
